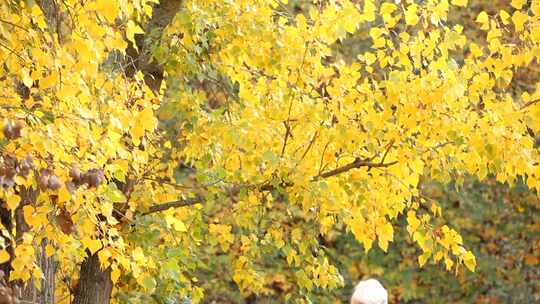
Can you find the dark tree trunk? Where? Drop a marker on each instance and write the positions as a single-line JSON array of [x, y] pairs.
[[162, 14], [95, 284]]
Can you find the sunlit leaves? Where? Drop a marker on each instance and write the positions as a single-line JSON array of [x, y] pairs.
[[483, 19], [279, 135], [4, 256], [518, 4], [519, 19], [460, 2]]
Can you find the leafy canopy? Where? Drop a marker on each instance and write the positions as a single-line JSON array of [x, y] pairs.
[[260, 139]]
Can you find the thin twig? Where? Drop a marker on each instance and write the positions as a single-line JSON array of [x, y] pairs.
[[322, 157], [530, 103], [12, 51], [388, 147], [13, 24], [309, 146], [287, 134]]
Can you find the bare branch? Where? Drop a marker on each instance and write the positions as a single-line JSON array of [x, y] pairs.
[[530, 103], [12, 51], [173, 204], [311, 142], [287, 134], [357, 163], [388, 147], [14, 25]]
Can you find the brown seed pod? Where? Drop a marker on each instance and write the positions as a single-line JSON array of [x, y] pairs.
[[17, 130], [25, 165], [9, 165], [54, 183], [12, 131], [93, 180], [6, 182], [94, 177], [43, 178], [8, 130], [75, 174]]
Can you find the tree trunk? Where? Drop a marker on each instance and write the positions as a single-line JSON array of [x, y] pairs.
[[162, 14], [45, 294], [29, 291], [95, 284]]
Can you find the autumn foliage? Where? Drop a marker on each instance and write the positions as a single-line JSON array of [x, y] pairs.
[[168, 149]]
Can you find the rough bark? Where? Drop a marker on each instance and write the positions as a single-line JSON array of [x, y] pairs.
[[44, 295], [95, 284], [29, 291], [162, 15]]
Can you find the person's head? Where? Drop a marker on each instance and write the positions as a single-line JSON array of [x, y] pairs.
[[369, 292]]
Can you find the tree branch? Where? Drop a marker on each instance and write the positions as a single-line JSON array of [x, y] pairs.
[[232, 191], [173, 204], [530, 103], [287, 133], [357, 163]]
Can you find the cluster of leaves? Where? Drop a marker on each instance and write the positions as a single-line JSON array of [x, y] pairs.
[[263, 145], [500, 224]]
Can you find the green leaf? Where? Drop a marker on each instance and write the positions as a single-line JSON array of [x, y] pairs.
[[113, 194]]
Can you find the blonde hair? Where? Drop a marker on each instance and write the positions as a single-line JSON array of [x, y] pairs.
[[369, 292]]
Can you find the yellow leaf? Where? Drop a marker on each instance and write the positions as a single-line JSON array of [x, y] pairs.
[[422, 259], [504, 16], [49, 250], [438, 256], [449, 263], [411, 15], [138, 255], [462, 3], [13, 201], [4, 256], [131, 30], [115, 274], [49, 81], [519, 20], [483, 19], [38, 17], [28, 214], [63, 195], [369, 10], [413, 221], [470, 261], [92, 245], [26, 78], [176, 223], [107, 8], [136, 132], [146, 118], [518, 4], [387, 8], [386, 234]]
